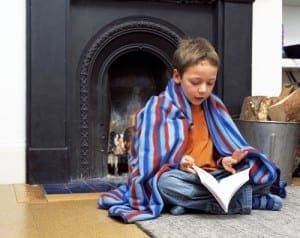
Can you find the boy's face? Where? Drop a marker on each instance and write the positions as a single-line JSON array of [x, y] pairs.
[[197, 81]]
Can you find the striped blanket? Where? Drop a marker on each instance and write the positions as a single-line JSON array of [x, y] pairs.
[[158, 145]]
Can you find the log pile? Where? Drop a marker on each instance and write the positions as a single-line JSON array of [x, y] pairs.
[[285, 107]]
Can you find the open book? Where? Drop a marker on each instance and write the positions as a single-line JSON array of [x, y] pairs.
[[224, 189]]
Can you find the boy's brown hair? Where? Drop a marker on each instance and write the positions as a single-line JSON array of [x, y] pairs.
[[193, 51]]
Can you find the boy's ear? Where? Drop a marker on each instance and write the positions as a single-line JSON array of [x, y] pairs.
[[176, 76]]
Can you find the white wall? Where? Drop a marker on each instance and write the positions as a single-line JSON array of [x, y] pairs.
[[267, 47], [12, 91], [266, 75]]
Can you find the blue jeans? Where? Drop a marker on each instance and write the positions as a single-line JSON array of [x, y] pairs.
[[185, 189]]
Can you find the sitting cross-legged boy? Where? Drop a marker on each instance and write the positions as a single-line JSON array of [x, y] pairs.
[[188, 125]]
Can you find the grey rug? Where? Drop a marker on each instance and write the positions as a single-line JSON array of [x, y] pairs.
[[261, 223]]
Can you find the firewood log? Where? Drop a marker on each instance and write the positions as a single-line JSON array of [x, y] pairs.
[[256, 107], [287, 109], [286, 90]]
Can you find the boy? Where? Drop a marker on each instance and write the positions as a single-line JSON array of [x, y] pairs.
[[196, 65], [186, 125]]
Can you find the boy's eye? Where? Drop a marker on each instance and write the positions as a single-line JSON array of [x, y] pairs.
[[194, 83]]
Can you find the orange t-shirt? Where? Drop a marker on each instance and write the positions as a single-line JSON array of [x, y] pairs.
[[200, 145]]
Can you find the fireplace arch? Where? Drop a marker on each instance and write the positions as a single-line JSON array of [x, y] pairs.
[[149, 39]]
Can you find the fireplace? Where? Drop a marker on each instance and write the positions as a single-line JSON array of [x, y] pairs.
[[93, 64]]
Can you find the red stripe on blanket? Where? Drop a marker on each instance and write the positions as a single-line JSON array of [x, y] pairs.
[[263, 176], [178, 96], [255, 167], [135, 173], [135, 213], [109, 195], [116, 193], [218, 105], [166, 129], [163, 169], [135, 203], [155, 136], [183, 146], [148, 189], [224, 140]]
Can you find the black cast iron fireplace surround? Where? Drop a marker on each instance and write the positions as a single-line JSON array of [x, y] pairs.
[[86, 58]]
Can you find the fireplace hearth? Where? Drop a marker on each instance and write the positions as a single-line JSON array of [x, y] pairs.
[[93, 64]]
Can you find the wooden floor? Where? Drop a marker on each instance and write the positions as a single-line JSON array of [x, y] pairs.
[[26, 212]]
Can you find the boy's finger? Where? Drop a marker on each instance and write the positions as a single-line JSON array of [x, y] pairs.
[[235, 161], [191, 170], [230, 169]]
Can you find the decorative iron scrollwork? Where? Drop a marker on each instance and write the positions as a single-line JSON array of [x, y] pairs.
[[122, 27]]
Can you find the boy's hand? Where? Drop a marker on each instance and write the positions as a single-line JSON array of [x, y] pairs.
[[186, 164], [229, 161]]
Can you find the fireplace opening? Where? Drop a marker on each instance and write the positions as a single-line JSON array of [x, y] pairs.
[[133, 78]]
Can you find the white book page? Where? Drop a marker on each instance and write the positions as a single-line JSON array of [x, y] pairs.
[[224, 189]]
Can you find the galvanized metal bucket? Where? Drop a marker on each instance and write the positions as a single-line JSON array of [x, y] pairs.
[[278, 140]]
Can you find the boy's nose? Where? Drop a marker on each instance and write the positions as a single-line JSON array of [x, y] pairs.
[[202, 88]]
